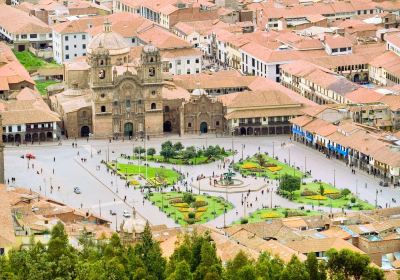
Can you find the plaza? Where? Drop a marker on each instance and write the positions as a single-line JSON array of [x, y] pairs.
[[57, 169]]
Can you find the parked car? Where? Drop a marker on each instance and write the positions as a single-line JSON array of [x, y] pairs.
[[112, 212], [126, 214], [35, 208], [77, 190]]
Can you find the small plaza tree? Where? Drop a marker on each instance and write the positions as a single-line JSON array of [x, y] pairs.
[[290, 184], [151, 152]]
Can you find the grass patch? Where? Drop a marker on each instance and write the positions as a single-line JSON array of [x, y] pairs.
[[271, 168], [170, 203], [193, 161], [276, 213], [157, 176], [42, 86], [32, 62], [310, 194]]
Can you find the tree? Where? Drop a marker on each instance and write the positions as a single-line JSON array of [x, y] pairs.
[[268, 267], [345, 192], [167, 150], [151, 152], [321, 189], [373, 273], [295, 270], [188, 198], [139, 150], [182, 272], [234, 266], [5, 269], [149, 252], [346, 262], [178, 146], [189, 153], [261, 159], [290, 183], [315, 270]]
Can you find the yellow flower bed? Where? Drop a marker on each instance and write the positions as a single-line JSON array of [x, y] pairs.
[[198, 215], [184, 209], [271, 215], [317, 197], [275, 168], [331, 192], [134, 183], [202, 209], [181, 205], [249, 165]]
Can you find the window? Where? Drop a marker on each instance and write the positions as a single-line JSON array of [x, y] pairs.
[[102, 95], [153, 92], [2, 251], [66, 48], [189, 124], [33, 36], [115, 103], [188, 61], [84, 46], [75, 46], [334, 50], [217, 123], [178, 62], [153, 106], [10, 129], [152, 72], [23, 36], [67, 56], [133, 40], [103, 109], [18, 128], [83, 37], [139, 101], [74, 36], [166, 109], [66, 38], [84, 114], [128, 103], [188, 71]]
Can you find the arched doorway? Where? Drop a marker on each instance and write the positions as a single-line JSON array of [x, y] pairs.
[[28, 138], [357, 78], [10, 138], [203, 127], [249, 131], [35, 137], [128, 129], [49, 135], [167, 126], [242, 131], [17, 138], [85, 130], [42, 136], [4, 139]]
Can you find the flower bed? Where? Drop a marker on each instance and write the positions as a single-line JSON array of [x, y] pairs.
[[317, 197], [274, 168], [271, 215]]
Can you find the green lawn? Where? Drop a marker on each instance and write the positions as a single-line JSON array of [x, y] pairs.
[[42, 86], [32, 62], [252, 167], [214, 208], [274, 213], [156, 175], [325, 200], [193, 161]]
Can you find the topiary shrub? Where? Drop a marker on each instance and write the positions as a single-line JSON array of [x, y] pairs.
[[191, 215], [244, 221], [199, 203], [353, 200]]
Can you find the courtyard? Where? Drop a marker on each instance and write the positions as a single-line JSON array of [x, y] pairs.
[[102, 191]]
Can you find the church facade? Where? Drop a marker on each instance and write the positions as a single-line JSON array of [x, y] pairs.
[[128, 99]]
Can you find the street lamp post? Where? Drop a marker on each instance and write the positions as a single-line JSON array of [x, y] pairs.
[[334, 177], [273, 149], [242, 150], [376, 199], [289, 156]]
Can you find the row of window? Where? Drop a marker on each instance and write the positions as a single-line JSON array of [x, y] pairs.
[[190, 124], [83, 47], [32, 126], [103, 109], [83, 37]]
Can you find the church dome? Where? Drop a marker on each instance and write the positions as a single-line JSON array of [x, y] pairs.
[[111, 41]]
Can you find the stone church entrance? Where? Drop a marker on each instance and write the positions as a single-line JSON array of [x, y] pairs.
[[85, 131], [128, 129], [203, 127], [167, 126]]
